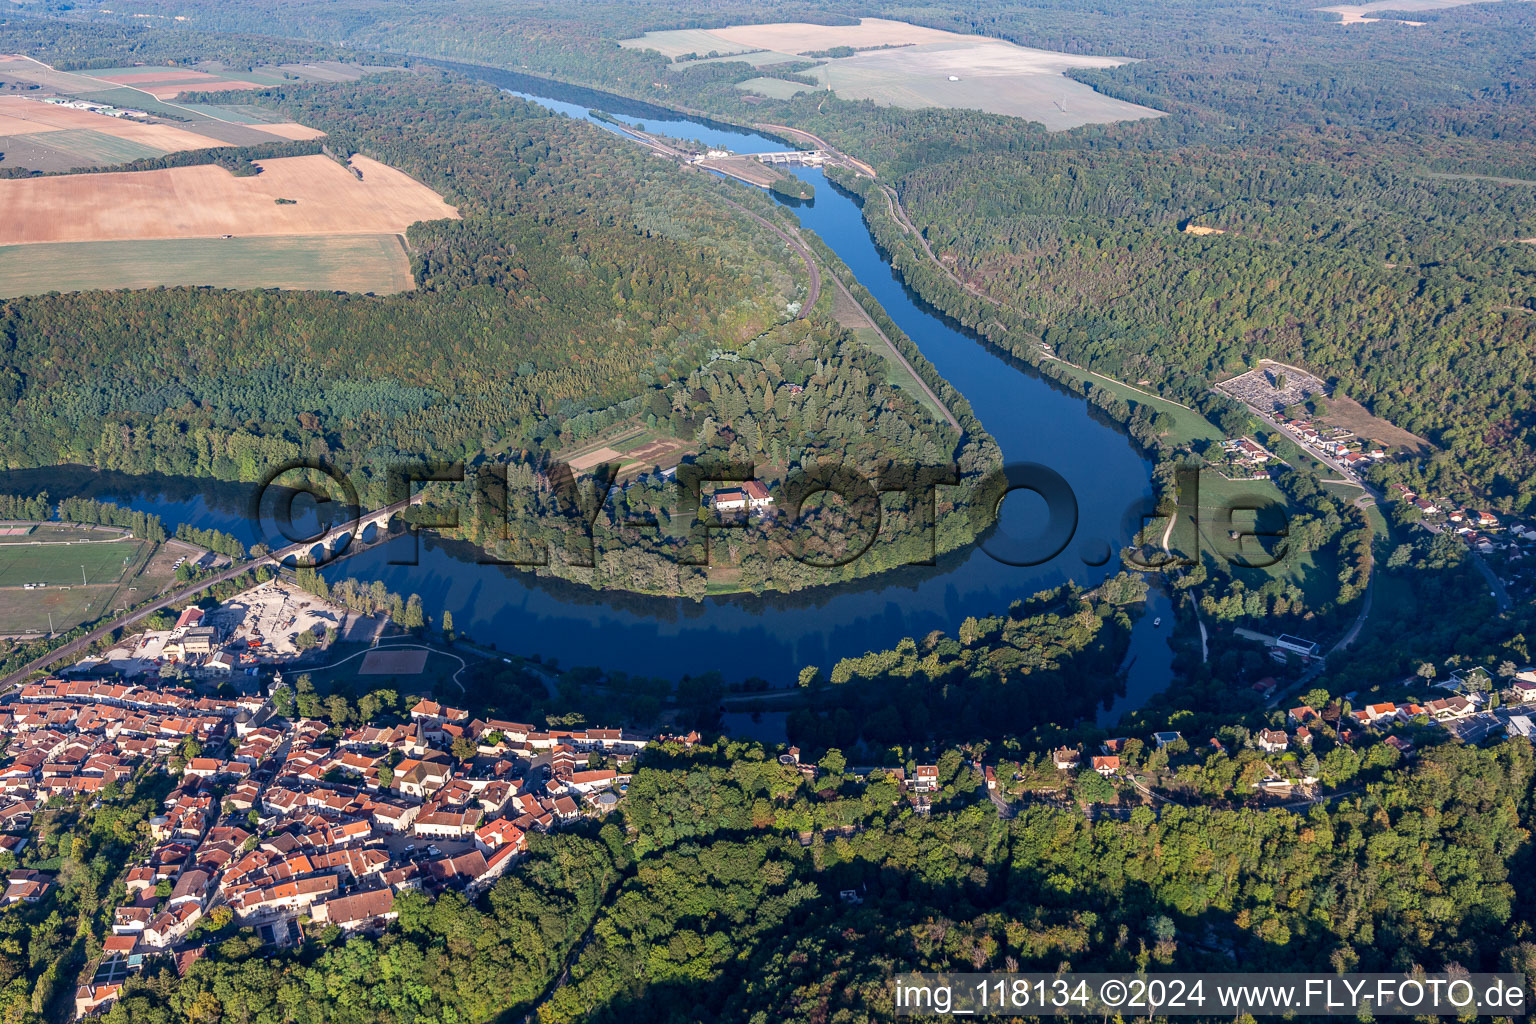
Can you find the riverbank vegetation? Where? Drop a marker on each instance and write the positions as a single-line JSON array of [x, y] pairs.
[[1054, 658]]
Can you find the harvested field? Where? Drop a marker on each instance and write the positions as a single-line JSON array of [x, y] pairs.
[[291, 130], [1358, 14], [165, 83], [170, 92], [28, 70], [654, 450], [326, 70], [202, 201], [20, 116], [802, 37], [156, 76], [677, 42], [393, 663], [634, 450], [913, 67], [582, 463], [1340, 411], [351, 263]]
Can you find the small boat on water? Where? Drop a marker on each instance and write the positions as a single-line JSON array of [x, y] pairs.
[[1157, 622]]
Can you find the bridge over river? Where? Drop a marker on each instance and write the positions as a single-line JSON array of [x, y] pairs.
[[331, 544]]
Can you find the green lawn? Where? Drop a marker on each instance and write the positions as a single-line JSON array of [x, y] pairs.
[[353, 263], [1189, 426], [1316, 574]]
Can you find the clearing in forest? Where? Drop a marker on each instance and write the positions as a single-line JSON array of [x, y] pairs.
[[1358, 14], [897, 64]]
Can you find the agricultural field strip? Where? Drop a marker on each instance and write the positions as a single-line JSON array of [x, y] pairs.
[[209, 201], [897, 64], [353, 263], [78, 83]]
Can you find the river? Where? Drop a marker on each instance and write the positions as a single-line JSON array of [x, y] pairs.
[[1033, 420]]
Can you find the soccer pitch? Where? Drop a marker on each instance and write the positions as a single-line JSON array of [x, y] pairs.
[[61, 563]]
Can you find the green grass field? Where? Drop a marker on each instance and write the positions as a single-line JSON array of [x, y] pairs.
[[758, 59], [240, 113], [353, 263], [777, 88], [60, 563], [65, 603], [1188, 425], [1315, 573], [96, 146], [134, 99]]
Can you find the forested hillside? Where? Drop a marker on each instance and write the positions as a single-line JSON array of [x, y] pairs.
[[515, 326], [713, 895]]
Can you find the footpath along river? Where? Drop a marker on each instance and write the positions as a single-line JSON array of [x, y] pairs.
[[770, 637]]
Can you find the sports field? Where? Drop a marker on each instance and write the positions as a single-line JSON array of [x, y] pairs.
[[910, 66], [64, 603], [207, 200], [60, 563], [349, 263]]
